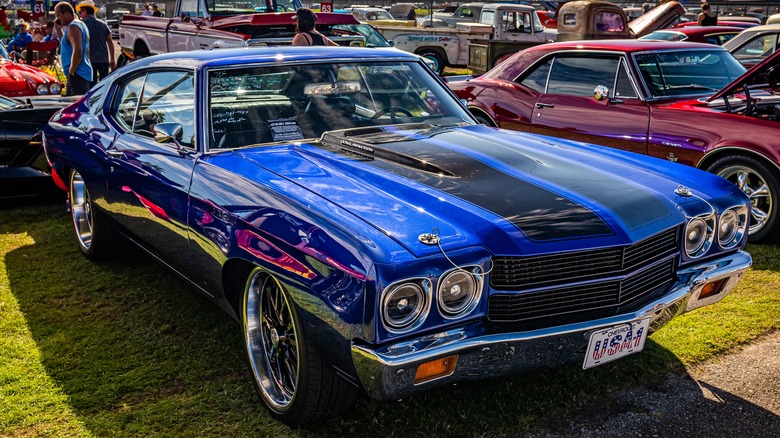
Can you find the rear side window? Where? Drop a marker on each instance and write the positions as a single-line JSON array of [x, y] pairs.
[[537, 79], [168, 97]]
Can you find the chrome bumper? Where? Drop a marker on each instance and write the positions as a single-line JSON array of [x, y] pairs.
[[388, 372]]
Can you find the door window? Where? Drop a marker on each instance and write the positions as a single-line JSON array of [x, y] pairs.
[[168, 97], [127, 104], [579, 76]]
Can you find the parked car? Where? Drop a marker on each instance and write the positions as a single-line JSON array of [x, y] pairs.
[[22, 80], [465, 13], [378, 17], [369, 235], [548, 19], [723, 22], [23, 168], [717, 35], [755, 44], [661, 103]]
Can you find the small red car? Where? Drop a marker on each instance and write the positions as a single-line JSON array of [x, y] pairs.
[[717, 35], [652, 97], [21, 80]]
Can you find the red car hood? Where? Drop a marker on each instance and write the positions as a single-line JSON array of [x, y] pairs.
[[660, 17], [767, 72]]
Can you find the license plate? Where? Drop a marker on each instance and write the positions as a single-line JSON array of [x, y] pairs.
[[616, 342]]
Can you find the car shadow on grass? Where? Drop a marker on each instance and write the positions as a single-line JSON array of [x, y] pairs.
[[138, 352]]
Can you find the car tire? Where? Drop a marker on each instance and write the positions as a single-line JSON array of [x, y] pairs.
[[95, 237], [437, 59], [761, 186], [294, 382], [481, 118]]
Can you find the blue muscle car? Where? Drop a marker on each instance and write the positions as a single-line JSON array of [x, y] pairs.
[[371, 237]]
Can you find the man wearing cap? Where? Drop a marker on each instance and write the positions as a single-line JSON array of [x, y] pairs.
[[74, 50], [101, 46], [306, 34], [20, 42]]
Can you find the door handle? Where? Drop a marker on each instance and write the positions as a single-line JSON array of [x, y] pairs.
[[544, 105]]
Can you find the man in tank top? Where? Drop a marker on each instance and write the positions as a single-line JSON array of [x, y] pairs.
[[74, 50]]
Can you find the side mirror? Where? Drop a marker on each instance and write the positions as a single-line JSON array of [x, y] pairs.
[[169, 132], [601, 93]]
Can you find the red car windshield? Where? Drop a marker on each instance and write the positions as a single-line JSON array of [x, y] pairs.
[[687, 72]]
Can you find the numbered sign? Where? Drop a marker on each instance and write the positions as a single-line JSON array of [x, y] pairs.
[[326, 7]]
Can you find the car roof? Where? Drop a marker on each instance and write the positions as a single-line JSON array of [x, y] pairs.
[[762, 28], [628, 46], [254, 55], [694, 30]]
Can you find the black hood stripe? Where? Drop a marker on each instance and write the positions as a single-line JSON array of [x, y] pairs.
[[636, 207], [539, 213]]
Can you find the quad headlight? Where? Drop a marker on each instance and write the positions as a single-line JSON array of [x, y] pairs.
[[404, 305], [55, 88], [732, 226], [699, 235], [42, 89], [459, 292]]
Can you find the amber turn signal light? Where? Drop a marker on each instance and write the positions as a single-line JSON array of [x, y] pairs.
[[435, 369], [711, 289]]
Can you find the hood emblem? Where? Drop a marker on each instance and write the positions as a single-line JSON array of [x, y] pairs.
[[683, 191]]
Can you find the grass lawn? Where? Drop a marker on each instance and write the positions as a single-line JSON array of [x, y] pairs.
[[127, 349]]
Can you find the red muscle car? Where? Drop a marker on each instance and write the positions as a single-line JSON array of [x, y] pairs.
[[651, 97], [718, 35]]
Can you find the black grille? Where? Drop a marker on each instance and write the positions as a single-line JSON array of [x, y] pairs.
[[568, 304], [520, 273]]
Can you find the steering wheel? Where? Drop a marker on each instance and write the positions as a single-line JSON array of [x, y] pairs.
[[286, 9], [393, 111]]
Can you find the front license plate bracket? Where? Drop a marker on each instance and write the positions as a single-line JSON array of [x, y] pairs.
[[618, 341]]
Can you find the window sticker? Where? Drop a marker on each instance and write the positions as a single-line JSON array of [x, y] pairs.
[[285, 129]]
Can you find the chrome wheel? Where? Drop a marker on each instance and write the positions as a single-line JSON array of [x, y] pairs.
[[81, 211], [757, 190], [272, 341]]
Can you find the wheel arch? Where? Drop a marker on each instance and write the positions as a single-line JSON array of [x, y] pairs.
[[716, 154], [235, 273], [478, 111]]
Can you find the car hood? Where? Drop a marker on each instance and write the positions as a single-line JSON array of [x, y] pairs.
[[14, 78], [766, 72], [660, 17], [512, 193]]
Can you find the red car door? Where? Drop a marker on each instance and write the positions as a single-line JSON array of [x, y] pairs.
[[567, 108]]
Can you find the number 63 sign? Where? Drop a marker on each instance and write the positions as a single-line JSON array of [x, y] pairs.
[[326, 7]]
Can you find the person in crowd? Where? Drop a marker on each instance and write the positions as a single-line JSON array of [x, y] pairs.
[[74, 50], [19, 43], [707, 17], [156, 11], [101, 45], [3, 18], [48, 32], [147, 12], [305, 33]]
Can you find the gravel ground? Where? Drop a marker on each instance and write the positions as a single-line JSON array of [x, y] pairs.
[[735, 395]]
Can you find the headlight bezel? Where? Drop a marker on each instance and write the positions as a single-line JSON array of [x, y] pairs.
[[42, 89], [473, 273], [425, 288], [55, 88], [741, 213], [707, 221]]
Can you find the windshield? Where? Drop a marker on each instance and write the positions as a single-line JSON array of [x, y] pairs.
[[285, 103], [665, 35], [372, 36], [687, 72], [228, 7]]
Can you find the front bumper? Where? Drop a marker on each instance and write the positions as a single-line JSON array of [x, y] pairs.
[[388, 372]]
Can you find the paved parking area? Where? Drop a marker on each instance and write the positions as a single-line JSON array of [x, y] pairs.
[[735, 395]]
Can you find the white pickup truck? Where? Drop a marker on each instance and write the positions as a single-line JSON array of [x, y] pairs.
[[206, 24], [447, 47]]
